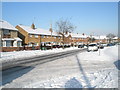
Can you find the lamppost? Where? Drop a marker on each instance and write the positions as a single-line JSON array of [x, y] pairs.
[[51, 34], [99, 45]]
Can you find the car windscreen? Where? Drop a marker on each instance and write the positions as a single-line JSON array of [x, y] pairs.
[[92, 45]]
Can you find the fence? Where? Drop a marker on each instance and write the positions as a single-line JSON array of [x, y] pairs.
[[9, 49]]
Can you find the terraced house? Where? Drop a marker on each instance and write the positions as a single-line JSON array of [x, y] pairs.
[[37, 36], [79, 38], [9, 36]]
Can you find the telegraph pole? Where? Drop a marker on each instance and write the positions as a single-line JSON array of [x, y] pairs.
[[51, 32]]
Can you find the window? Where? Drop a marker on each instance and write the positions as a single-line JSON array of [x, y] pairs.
[[36, 44], [73, 38], [19, 43], [6, 32], [36, 36], [58, 37], [46, 36], [30, 44], [8, 43], [42, 36], [30, 35]]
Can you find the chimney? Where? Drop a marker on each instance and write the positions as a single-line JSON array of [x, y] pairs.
[[33, 26], [66, 32]]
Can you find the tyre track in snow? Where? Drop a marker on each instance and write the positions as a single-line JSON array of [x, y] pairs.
[[37, 60], [24, 65]]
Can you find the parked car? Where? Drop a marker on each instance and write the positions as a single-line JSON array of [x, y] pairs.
[[100, 46], [118, 43], [110, 44], [104, 44], [81, 46], [56, 46], [92, 47], [66, 46]]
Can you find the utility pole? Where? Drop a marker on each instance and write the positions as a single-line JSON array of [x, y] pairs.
[[40, 43], [99, 45], [51, 33]]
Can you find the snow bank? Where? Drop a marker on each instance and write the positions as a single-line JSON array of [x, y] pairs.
[[84, 70], [107, 53], [10, 56], [100, 79]]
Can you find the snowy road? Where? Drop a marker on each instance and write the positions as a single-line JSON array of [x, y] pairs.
[[82, 70], [40, 59]]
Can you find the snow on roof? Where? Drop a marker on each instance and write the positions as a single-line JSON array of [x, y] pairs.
[[66, 35], [8, 39], [18, 39], [99, 37], [115, 38], [78, 35], [6, 25], [37, 31]]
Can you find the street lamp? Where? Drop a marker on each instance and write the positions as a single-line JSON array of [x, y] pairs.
[[40, 43], [99, 45]]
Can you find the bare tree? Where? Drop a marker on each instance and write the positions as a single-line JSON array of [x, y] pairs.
[[110, 36], [91, 39], [63, 27]]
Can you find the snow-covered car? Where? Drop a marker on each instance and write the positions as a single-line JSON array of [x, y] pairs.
[[92, 47], [104, 44]]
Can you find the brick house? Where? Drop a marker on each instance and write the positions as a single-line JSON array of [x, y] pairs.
[[36, 36], [79, 38], [76, 39], [101, 39], [115, 39], [9, 35]]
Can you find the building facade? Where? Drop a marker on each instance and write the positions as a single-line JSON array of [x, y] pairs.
[[9, 35], [37, 36]]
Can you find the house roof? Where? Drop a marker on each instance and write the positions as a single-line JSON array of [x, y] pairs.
[[18, 39], [7, 39], [99, 37], [10, 39], [115, 38], [6, 25], [37, 31], [79, 35]]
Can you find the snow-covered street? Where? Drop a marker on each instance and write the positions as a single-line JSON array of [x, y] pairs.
[[84, 70], [17, 55]]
